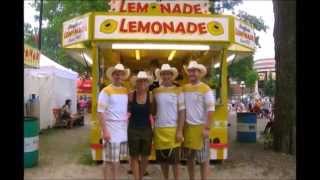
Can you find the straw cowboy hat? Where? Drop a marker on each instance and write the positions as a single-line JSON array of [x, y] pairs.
[[118, 67], [141, 75], [194, 65], [167, 67]]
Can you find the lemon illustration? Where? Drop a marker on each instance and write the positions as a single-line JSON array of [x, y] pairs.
[[108, 26], [153, 8], [215, 28]]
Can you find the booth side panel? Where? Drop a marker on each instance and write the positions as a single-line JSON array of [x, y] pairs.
[[95, 132], [219, 132]]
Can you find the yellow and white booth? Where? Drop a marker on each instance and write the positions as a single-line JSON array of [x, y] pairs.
[[137, 32]]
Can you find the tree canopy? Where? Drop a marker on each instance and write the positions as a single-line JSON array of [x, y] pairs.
[[55, 13]]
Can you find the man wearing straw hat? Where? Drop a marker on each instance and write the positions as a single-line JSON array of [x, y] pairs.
[[170, 116], [199, 102], [112, 112]]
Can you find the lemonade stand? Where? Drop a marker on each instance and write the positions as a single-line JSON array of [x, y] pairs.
[[136, 32]]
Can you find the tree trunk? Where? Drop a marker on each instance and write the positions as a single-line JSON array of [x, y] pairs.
[[285, 98]]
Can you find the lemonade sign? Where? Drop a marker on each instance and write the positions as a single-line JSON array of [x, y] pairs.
[[75, 30], [244, 34], [31, 56], [161, 28], [160, 7]]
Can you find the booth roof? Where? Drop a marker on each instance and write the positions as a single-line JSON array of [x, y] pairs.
[[46, 62], [48, 67]]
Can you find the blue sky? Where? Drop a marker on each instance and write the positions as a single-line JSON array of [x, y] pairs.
[[259, 8]]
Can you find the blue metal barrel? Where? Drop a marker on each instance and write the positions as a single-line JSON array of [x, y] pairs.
[[246, 127]]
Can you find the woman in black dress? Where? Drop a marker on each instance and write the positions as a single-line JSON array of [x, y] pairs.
[[140, 126]]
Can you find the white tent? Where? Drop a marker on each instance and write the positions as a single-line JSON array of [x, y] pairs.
[[53, 84]]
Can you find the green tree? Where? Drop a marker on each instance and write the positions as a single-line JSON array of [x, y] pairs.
[[55, 12], [239, 70], [29, 35], [285, 96], [270, 86], [218, 6], [251, 79]]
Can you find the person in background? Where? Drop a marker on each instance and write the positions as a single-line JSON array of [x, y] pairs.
[[113, 115], [265, 107], [250, 107], [67, 115], [200, 105], [170, 117], [154, 65], [82, 104], [140, 126]]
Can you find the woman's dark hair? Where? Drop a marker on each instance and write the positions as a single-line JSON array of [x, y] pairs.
[[68, 101]]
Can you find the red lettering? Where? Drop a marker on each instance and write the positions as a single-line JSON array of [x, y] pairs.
[[169, 27], [192, 27], [142, 9], [165, 8], [122, 29], [132, 26], [180, 28], [131, 7], [143, 28], [176, 9], [122, 9], [153, 27], [187, 8], [197, 9], [202, 28]]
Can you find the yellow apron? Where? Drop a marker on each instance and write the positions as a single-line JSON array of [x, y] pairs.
[[193, 138], [165, 138]]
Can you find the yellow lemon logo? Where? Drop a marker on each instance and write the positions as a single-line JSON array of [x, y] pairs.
[[215, 28], [153, 8], [108, 26]]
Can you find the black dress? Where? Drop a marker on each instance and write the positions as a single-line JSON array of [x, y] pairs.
[[139, 129]]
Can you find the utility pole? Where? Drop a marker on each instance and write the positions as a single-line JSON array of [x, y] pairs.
[[40, 25]]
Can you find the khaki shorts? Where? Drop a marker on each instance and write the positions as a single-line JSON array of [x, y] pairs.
[[114, 152], [201, 155]]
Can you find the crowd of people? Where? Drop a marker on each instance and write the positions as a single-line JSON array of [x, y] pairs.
[[176, 119], [82, 104], [262, 106]]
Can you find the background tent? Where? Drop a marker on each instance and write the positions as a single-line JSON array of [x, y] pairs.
[[53, 83]]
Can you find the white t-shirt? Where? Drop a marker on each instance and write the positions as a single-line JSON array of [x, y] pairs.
[[113, 102], [199, 100], [169, 101]]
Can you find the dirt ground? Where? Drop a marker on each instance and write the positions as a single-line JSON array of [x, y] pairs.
[[65, 154]]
